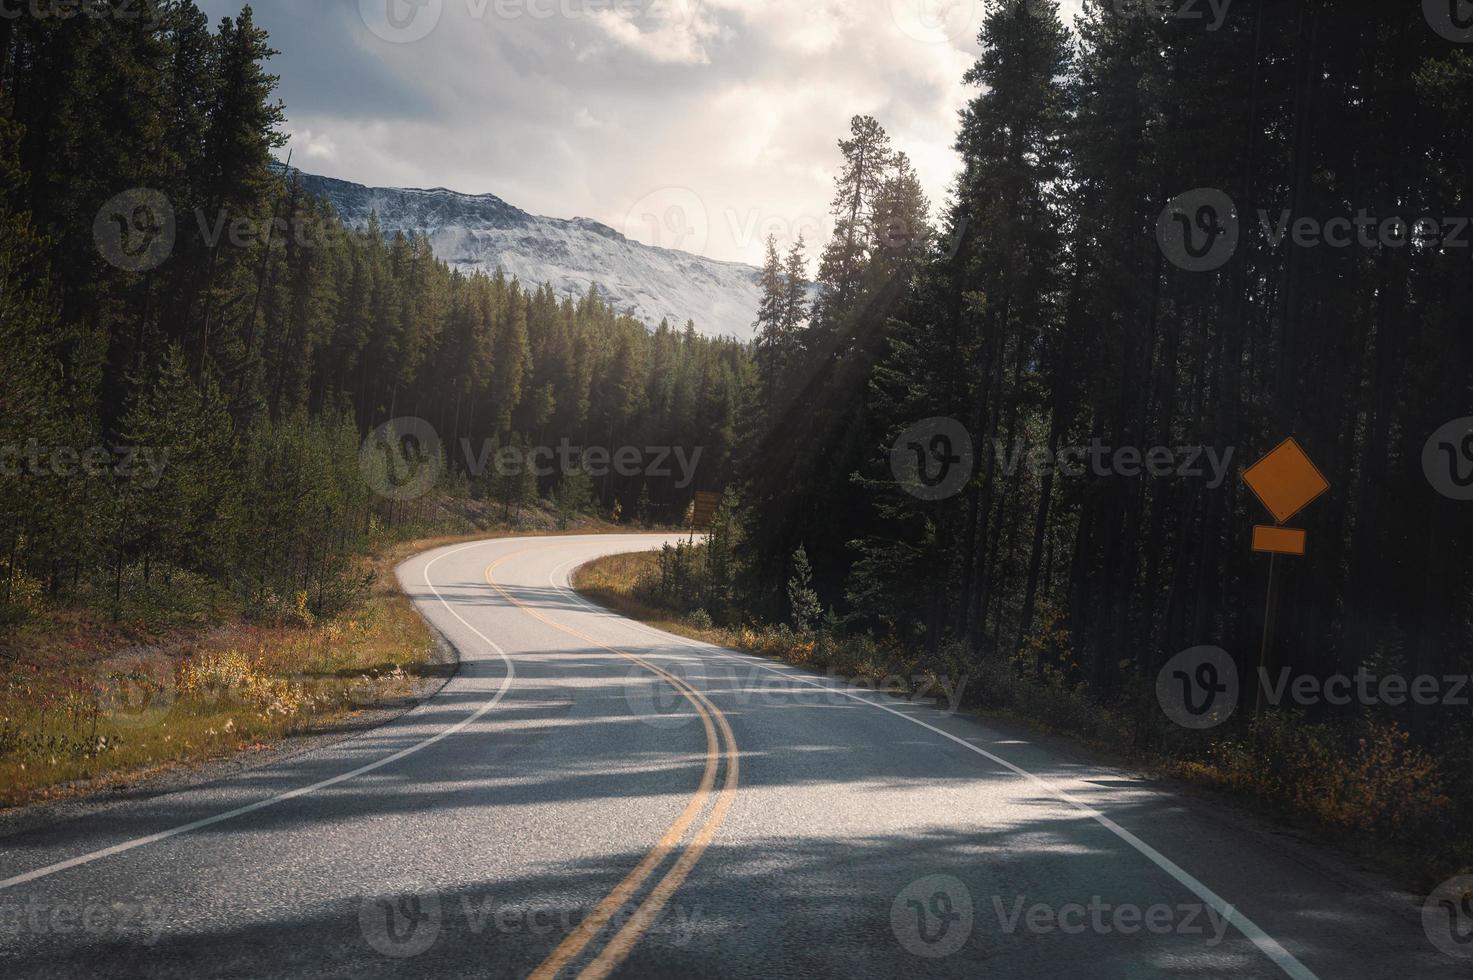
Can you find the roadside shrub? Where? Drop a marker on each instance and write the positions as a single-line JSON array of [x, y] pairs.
[[271, 609], [1363, 776], [20, 595], [168, 596], [223, 678]]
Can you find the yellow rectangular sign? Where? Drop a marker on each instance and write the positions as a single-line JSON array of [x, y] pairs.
[[1279, 540]]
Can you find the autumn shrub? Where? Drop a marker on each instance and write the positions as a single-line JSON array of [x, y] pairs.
[[230, 677], [20, 595], [1365, 776]]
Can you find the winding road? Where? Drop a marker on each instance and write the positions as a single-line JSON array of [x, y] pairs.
[[591, 797]]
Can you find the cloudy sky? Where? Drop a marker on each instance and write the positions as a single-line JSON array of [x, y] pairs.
[[696, 124]]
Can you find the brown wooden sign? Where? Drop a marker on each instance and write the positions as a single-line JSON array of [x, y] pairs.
[[707, 504]]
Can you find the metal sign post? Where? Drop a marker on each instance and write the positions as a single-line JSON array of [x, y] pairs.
[[1286, 481]]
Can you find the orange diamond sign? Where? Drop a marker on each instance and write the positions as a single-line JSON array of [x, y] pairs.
[[1286, 480]]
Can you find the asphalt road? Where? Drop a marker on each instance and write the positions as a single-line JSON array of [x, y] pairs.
[[589, 796]]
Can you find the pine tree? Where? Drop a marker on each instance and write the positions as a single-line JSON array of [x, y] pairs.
[[573, 496], [805, 611], [867, 159], [771, 323]]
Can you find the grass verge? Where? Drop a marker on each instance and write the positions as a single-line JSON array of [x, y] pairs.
[[1362, 785], [92, 706], [88, 704]]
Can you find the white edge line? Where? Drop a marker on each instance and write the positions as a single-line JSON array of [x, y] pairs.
[[1269, 946], [106, 852]]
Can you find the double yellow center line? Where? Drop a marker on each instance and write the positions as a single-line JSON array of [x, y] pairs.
[[717, 747]]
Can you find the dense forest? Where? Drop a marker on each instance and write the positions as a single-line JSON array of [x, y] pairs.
[[169, 295], [1045, 312], [1061, 305]]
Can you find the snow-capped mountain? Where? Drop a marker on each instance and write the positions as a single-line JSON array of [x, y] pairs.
[[481, 232]]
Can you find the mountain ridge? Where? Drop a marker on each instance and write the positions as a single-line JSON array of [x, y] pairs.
[[484, 232]]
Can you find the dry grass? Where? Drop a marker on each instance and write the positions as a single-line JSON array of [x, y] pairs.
[[613, 581], [79, 718], [87, 704], [621, 583]]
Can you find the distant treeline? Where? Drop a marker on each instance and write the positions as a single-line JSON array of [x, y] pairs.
[[163, 288]]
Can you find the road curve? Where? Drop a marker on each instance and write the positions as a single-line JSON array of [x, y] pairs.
[[588, 796]]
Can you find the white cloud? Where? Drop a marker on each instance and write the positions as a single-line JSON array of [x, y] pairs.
[[589, 107], [311, 146], [675, 33]]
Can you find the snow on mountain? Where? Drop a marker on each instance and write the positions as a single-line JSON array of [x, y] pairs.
[[481, 232]]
